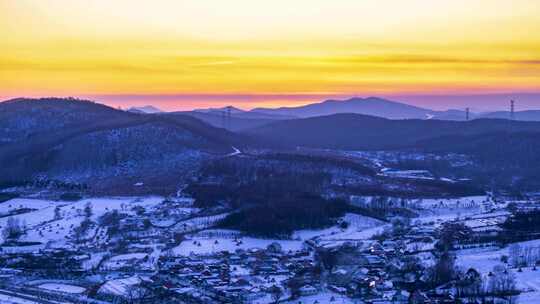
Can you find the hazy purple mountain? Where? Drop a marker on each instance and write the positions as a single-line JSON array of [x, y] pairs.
[[349, 131], [235, 123], [239, 113], [233, 110], [453, 115], [373, 106], [239, 119], [145, 109], [530, 115]]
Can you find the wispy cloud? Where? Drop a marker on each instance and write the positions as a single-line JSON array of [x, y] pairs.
[[213, 63]]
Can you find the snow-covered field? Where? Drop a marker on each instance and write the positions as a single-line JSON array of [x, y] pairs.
[[483, 260], [199, 223], [528, 281], [323, 297], [41, 225], [62, 288], [459, 202], [121, 287], [214, 245], [125, 260], [9, 299], [438, 211], [359, 228], [95, 259]]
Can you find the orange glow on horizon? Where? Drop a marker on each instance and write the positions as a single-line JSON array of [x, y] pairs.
[[239, 47]]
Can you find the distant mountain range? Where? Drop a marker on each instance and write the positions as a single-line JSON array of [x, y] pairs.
[[237, 121], [380, 107], [362, 132], [85, 142], [503, 151], [530, 115], [369, 106], [241, 120], [144, 109]]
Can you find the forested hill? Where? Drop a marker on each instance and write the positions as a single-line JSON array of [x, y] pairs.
[[362, 132], [84, 142]]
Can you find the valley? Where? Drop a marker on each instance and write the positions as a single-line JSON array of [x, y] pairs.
[[109, 206]]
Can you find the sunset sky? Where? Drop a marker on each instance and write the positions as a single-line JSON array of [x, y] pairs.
[[183, 54]]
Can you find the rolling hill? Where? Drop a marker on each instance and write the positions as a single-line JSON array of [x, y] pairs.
[[530, 115], [369, 106], [144, 110], [234, 124], [503, 153], [239, 119], [362, 132], [85, 142]]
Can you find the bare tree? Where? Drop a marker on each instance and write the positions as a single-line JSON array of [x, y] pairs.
[[515, 255], [444, 269], [502, 282], [530, 255], [88, 212], [13, 230], [276, 293], [57, 213]]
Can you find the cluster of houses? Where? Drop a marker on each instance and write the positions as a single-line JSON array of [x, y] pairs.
[[244, 276], [45, 262], [374, 271]]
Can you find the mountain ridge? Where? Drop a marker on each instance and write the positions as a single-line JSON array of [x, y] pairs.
[[374, 106], [94, 144], [359, 132], [147, 109]]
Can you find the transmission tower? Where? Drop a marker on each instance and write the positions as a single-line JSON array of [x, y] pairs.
[[229, 117], [512, 108], [223, 118], [226, 117]]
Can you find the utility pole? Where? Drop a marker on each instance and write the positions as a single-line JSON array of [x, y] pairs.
[[229, 117], [467, 114], [223, 120], [512, 108]]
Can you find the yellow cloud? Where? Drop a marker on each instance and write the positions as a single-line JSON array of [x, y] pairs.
[[284, 47]]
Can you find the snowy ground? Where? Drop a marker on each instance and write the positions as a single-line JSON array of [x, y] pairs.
[[41, 225], [480, 259], [528, 281], [199, 223], [95, 259], [62, 288], [433, 203], [472, 211], [125, 260], [360, 227], [215, 245], [324, 297], [483, 260], [9, 299], [121, 287]]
